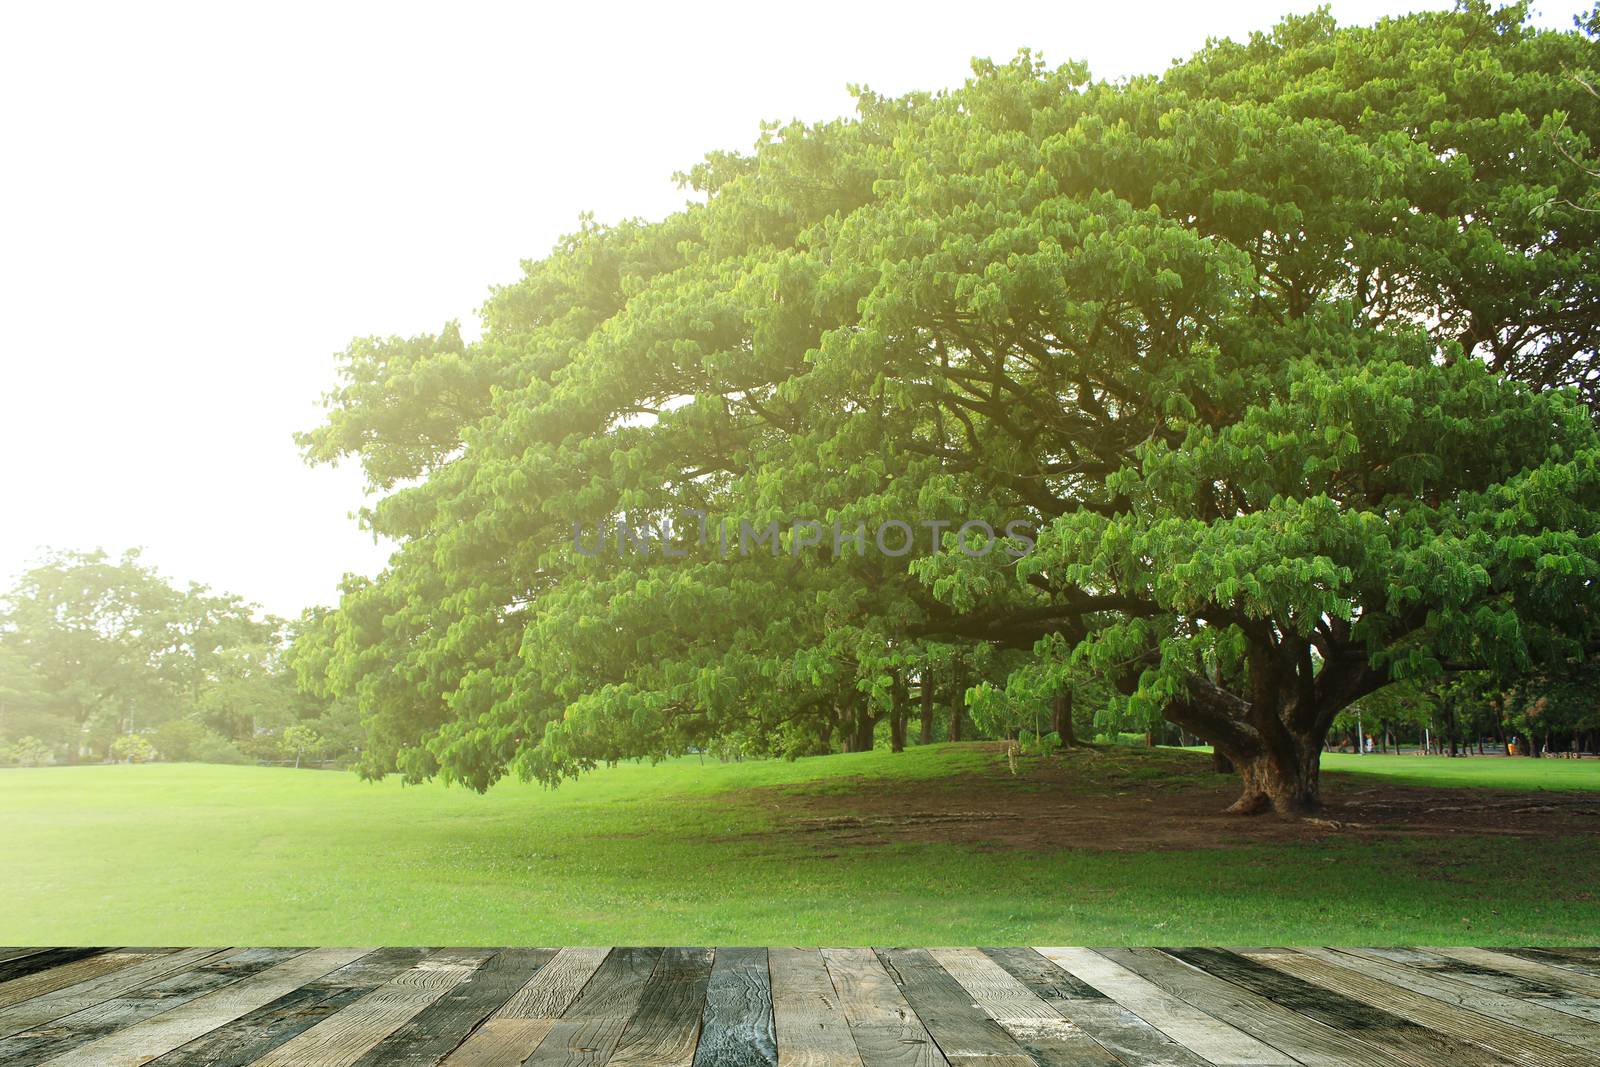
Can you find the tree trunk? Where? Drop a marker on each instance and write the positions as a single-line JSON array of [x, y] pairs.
[[865, 722], [897, 714], [1061, 716], [1284, 785], [958, 701], [1220, 762], [926, 736]]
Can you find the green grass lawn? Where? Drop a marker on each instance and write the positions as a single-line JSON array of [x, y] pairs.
[[676, 854]]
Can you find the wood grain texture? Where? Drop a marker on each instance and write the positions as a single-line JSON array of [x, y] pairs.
[[62, 1035], [1042, 1031], [1555, 977], [516, 1029], [160, 1034], [343, 1038], [1117, 1029], [26, 963], [665, 1027], [696, 1007], [1308, 1041], [1397, 1036], [736, 1026], [1580, 1033], [438, 1029], [256, 1033], [1496, 980], [51, 979], [965, 1034], [807, 1015], [1512, 1044], [1207, 1036], [886, 1032], [587, 1033], [89, 992]]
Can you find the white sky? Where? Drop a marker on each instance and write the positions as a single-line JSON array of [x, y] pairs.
[[200, 204]]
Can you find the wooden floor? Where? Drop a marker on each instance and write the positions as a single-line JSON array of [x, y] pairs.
[[851, 1007]]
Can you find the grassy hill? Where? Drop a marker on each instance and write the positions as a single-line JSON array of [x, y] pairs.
[[938, 845]]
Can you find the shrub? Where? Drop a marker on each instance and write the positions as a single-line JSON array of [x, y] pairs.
[[214, 748], [26, 752], [133, 748], [176, 738]]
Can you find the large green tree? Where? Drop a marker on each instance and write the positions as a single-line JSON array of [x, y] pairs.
[[1283, 354]]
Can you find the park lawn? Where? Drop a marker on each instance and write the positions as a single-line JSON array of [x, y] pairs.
[[673, 854]]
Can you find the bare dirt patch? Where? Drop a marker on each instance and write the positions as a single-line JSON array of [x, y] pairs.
[[1131, 800]]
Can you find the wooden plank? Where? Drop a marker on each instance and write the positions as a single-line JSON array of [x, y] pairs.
[[1494, 980], [1510, 1043], [89, 992], [886, 1032], [440, 1027], [1397, 1036], [666, 1026], [809, 1021], [736, 1027], [341, 1039], [257, 1033], [1117, 1029], [965, 1034], [1310, 1042], [1504, 988], [1579, 1033], [34, 1046], [17, 952], [512, 1033], [1208, 1037], [1041, 1030], [153, 1037], [587, 1033], [34, 962], [48, 981], [1558, 958], [1545, 974]]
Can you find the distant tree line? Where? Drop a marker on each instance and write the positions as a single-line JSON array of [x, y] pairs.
[[103, 658]]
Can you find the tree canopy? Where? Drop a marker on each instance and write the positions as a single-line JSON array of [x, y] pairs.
[[1282, 355]]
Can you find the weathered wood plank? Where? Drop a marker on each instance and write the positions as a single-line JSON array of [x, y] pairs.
[[1310, 1042], [341, 1039], [515, 1030], [587, 1033], [666, 1026], [48, 981], [89, 992], [810, 1022], [1041, 1030], [1579, 1033], [1496, 980], [34, 1046], [1399, 1037], [887, 1033], [257, 1033], [34, 962], [1558, 958], [1117, 1029], [736, 1027], [153, 1037], [17, 952], [965, 1034], [1205, 1035], [1570, 981], [1495, 983], [1510, 1043], [442, 1026]]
